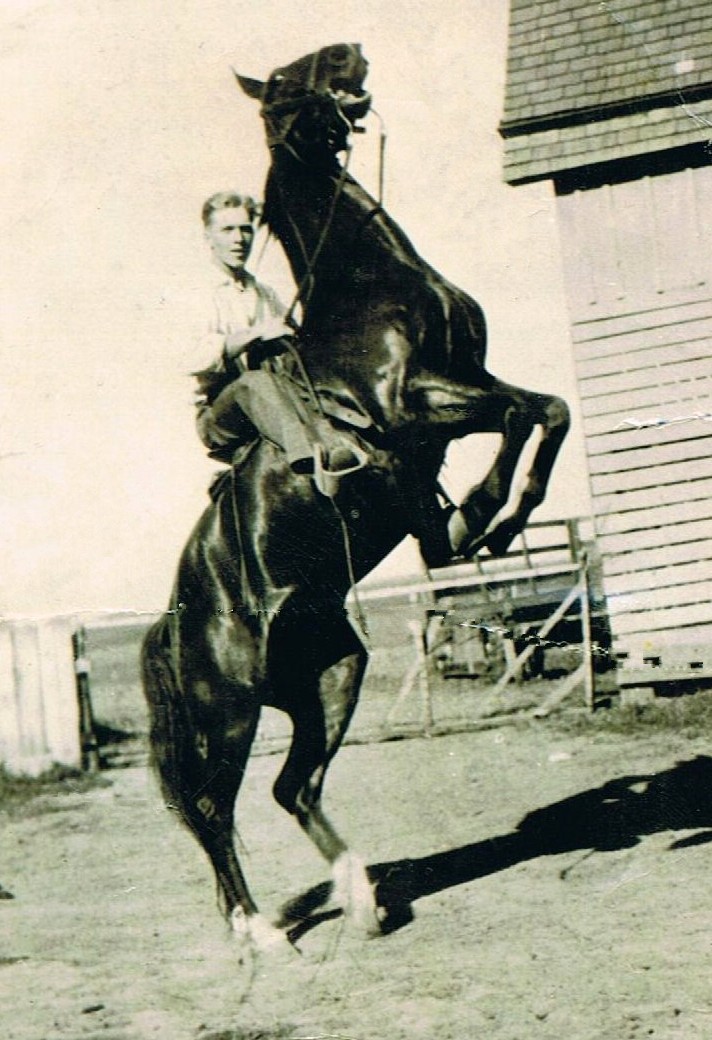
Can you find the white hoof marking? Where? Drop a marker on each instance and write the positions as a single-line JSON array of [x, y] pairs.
[[257, 931], [354, 893]]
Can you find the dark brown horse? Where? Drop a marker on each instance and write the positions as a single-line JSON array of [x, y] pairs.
[[257, 616]]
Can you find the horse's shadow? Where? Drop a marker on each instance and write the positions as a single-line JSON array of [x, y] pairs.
[[603, 819]]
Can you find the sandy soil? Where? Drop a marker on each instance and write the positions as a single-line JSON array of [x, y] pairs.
[[560, 888]]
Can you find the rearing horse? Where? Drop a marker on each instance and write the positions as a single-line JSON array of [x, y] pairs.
[[257, 615]]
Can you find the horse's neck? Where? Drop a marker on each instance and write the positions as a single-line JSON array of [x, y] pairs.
[[311, 210]]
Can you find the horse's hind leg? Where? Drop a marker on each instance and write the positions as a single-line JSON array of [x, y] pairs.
[[329, 661], [201, 734]]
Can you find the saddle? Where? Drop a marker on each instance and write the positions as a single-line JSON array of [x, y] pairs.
[[429, 517], [338, 404], [316, 408]]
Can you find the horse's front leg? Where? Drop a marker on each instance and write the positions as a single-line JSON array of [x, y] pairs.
[[455, 410], [552, 415], [468, 525]]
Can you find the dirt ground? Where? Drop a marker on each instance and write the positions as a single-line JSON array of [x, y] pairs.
[[559, 886]]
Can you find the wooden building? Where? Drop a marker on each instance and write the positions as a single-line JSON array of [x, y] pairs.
[[612, 103], [40, 721]]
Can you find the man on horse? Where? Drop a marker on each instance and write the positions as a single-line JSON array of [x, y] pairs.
[[245, 392], [257, 613]]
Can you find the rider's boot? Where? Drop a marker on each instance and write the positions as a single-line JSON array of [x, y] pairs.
[[335, 456]]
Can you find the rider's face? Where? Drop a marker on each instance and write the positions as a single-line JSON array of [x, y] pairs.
[[230, 234]]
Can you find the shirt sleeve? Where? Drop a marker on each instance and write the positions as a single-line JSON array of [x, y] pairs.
[[231, 314], [207, 349]]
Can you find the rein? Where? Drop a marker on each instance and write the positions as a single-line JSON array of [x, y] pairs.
[[282, 140], [275, 139], [382, 138], [308, 277]]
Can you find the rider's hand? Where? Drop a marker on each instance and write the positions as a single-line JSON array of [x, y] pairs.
[[237, 342], [273, 328], [240, 340]]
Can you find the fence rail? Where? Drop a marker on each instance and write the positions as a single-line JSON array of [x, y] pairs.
[[69, 687]]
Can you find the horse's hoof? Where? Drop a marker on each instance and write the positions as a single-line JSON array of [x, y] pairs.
[[259, 934], [435, 548], [469, 551], [501, 538], [355, 894]]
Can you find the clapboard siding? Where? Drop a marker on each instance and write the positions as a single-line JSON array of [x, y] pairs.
[[649, 621], [658, 315], [624, 501], [661, 578], [631, 436], [653, 367], [655, 350], [653, 476], [644, 561], [673, 534], [685, 511], [676, 642], [639, 275], [643, 601], [604, 347], [689, 406], [626, 379], [675, 390], [652, 455]]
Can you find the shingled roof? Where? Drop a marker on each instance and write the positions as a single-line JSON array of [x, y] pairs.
[[591, 81]]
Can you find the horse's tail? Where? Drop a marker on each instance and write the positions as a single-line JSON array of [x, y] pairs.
[[166, 711]]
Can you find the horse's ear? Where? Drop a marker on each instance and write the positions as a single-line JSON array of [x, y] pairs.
[[252, 87]]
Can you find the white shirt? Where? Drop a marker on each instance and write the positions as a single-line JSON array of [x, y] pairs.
[[244, 312]]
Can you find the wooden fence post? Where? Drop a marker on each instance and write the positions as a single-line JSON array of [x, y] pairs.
[[88, 743]]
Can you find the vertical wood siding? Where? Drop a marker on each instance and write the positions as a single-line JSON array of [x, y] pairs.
[[39, 720]]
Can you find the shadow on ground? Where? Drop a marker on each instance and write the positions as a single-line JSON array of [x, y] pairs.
[[603, 819]]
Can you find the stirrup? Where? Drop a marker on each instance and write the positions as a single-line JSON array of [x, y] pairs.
[[327, 480]]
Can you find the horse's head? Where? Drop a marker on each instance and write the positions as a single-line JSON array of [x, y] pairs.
[[312, 105]]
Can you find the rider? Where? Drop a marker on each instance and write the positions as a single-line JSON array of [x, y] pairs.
[[239, 394]]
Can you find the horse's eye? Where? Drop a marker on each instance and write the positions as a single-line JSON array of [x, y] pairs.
[[339, 55]]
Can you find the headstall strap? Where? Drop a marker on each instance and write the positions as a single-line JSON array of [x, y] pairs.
[[301, 295], [311, 80]]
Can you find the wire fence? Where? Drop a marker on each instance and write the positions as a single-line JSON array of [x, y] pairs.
[[410, 688]]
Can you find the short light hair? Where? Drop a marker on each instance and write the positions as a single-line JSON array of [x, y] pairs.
[[229, 200]]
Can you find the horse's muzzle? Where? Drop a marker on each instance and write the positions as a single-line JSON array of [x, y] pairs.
[[353, 106]]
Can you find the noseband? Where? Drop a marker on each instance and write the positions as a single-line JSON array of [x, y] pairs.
[[279, 128]]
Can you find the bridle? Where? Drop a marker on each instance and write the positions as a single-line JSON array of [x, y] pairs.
[[278, 131], [291, 108], [280, 128]]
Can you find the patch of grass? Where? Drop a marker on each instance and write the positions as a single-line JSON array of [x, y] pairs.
[[688, 715], [17, 792]]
